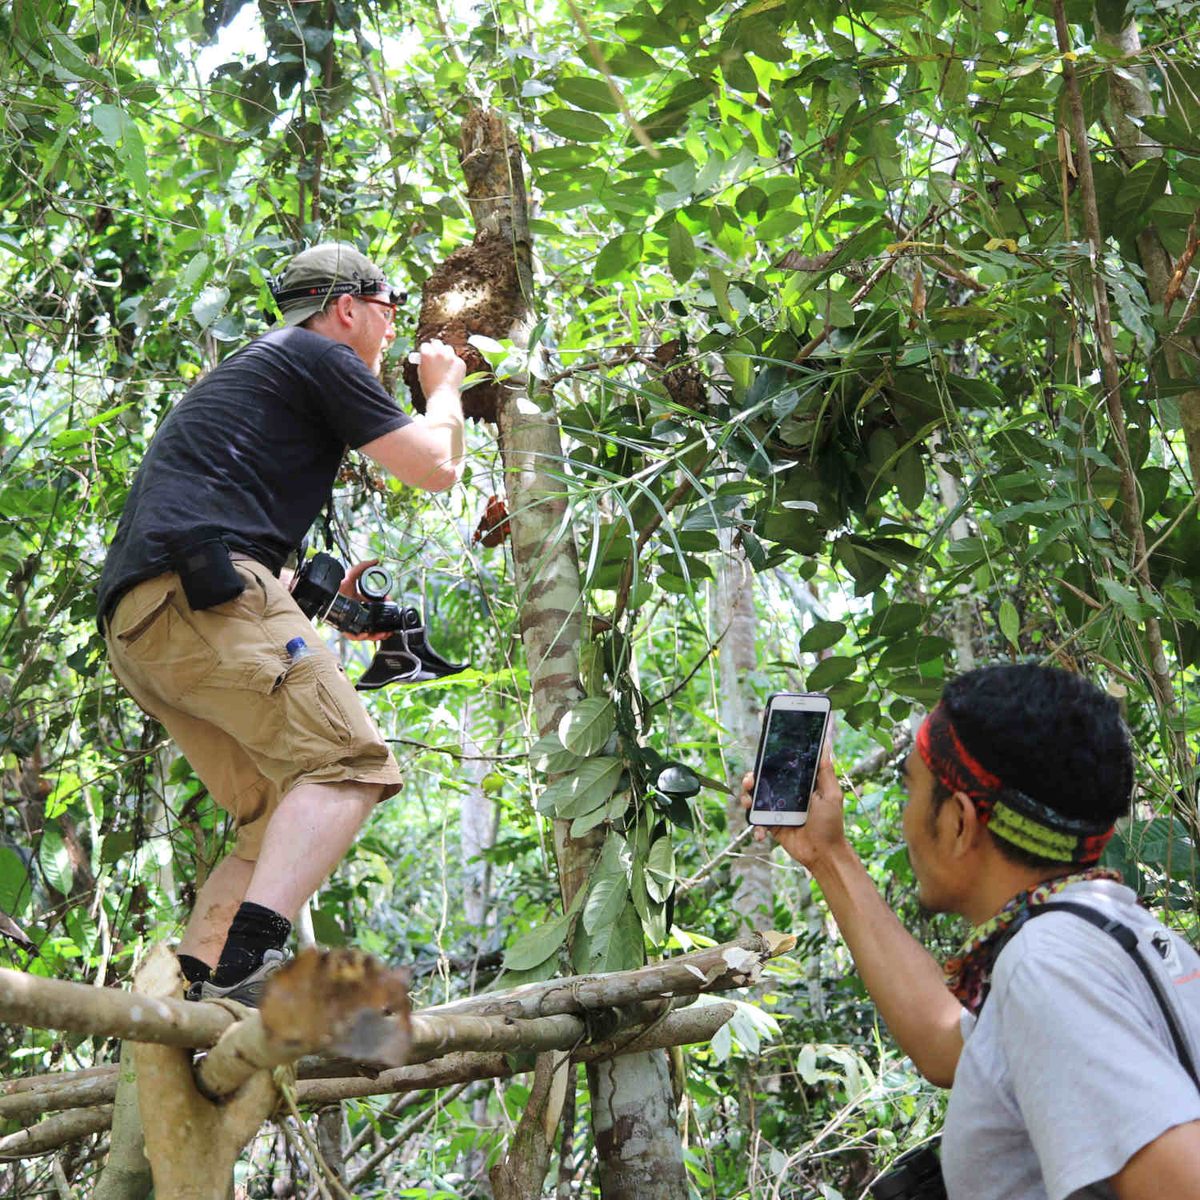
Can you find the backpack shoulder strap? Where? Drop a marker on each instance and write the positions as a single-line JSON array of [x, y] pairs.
[[1127, 939]]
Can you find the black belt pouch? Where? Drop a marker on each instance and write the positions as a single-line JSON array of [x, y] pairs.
[[207, 573]]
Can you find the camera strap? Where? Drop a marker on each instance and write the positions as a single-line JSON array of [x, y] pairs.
[[1128, 940]]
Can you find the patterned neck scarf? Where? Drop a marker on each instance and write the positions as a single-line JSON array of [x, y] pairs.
[[969, 973]]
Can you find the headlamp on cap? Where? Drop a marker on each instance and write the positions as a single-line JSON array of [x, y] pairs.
[[324, 292]]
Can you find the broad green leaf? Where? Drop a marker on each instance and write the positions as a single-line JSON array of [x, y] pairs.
[[15, 888], [588, 726], [576, 126], [660, 869], [548, 754], [821, 636], [1144, 184], [608, 895], [829, 671], [55, 861], [617, 256], [681, 253], [537, 945], [111, 122], [585, 92], [612, 811], [1010, 622], [589, 787], [209, 305]]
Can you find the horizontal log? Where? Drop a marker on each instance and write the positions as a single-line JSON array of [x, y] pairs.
[[56, 1131], [106, 1012], [714, 969], [74, 1093], [30, 1083], [680, 1028]]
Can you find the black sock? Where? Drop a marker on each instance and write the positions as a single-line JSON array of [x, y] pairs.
[[195, 970], [254, 931]]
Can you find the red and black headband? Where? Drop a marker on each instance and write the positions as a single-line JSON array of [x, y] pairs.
[[1008, 813]]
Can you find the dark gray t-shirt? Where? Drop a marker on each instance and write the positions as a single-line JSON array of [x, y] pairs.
[[1069, 1070], [250, 452]]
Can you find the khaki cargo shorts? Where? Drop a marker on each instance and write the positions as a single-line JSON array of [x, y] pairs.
[[252, 723]]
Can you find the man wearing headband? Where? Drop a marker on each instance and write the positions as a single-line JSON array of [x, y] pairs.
[[1065, 1072], [205, 637]]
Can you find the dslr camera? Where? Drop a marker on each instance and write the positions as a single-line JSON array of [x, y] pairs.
[[405, 655], [915, 1175]]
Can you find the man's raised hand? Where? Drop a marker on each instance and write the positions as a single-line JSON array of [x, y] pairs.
[[824, 831], [439, 366]]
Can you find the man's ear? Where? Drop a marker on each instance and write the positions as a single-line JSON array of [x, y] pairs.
[[966, 828], [343, 311]]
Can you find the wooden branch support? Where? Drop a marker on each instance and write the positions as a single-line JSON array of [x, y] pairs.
[[721, 968], [682, 1028], [346, 1005]]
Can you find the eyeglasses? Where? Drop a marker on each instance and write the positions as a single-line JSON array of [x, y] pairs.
[[381, 304]]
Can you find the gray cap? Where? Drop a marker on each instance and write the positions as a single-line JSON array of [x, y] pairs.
[[322, 273]]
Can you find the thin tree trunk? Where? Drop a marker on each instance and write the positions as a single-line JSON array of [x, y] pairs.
[[1129, 103], [741, 716], [632, 1105], [1156, 668]]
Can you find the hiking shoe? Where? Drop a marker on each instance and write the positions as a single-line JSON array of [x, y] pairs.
[[246, 991]]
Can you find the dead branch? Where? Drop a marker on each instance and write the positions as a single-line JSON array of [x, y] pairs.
[[714, 969], [56, 1131], [105, 1012], [686, 1027]]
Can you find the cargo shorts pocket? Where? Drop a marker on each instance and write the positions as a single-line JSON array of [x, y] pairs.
[[317, 727], [158, 645]]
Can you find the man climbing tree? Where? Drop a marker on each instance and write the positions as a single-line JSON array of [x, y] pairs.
[[206, 639]]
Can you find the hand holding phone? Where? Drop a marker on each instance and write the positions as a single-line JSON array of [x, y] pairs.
[[789, 754]]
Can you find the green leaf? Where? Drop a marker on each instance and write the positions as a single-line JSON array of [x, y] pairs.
[[209, 305], [588, 788], [576, 126], [537, 945], [111, 122], [1010, 623], [588, 726], [829, 671], [15, 888], [585, 92], [55, 861], [821, 636], [681, 253], [550, 755], [660, 869], [1144, 184], [612, 811], [607, 896], [618, 256]]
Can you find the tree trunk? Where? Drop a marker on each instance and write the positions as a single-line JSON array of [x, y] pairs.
[[632, 1105], [741, 716], [1129, 102]]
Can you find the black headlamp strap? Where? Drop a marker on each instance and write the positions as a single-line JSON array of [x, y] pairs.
[[331, 290]]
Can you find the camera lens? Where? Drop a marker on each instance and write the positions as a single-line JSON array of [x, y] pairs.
[[375, 583]]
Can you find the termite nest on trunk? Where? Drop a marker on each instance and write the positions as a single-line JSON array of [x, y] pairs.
[[475, 291]]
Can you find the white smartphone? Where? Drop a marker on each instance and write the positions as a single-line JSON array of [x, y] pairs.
[[789, 753]]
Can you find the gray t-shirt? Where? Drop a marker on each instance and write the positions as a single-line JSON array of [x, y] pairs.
[[1069, 1070]]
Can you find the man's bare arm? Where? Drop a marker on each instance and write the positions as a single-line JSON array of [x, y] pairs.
[[1168, 1166], [428, 453], [904, 979]]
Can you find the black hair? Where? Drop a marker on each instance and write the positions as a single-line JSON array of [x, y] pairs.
[[1048, 733]]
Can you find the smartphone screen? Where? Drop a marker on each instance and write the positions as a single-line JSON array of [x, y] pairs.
[[789, 755]]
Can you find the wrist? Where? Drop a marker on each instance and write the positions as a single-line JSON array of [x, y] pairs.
[[830, 858], [444, 393]]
